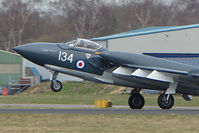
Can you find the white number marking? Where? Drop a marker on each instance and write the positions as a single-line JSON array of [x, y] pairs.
[[59, 55], [70, 58], [63, 57]]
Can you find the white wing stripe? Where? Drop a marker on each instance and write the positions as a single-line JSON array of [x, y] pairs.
[[141, 73], [123, 71], [155, 75], [147, 74]]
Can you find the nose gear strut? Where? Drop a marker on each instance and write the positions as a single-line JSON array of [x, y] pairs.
[[56, 85]]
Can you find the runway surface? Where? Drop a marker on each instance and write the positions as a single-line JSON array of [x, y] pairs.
[[99, 111], [89, 109]]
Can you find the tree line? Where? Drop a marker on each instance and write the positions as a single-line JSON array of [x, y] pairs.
[[63, 20]]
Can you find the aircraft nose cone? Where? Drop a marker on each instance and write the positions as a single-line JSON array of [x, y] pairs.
[[35, 52], [18, 49], [31, 48]]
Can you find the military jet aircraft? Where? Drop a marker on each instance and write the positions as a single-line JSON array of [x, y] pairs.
[[90, 61]]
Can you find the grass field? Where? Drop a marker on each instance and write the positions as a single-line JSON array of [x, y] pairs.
[[62, 123], [83, 93]]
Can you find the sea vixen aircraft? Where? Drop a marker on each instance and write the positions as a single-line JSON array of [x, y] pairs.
[[90, 61]]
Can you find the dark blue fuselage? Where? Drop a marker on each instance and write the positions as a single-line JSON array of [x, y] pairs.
[[66, 57]]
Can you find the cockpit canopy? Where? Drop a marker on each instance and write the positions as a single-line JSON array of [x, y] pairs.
[[84, 43]]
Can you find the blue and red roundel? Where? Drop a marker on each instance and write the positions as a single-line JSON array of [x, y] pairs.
[[80, 64]]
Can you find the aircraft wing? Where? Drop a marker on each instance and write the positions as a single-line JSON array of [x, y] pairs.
[[148, 74], [150, 68], [155, 68], [192, 73]]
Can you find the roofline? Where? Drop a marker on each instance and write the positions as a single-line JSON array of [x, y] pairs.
[[173, 55], [10, 52], [175, 28]]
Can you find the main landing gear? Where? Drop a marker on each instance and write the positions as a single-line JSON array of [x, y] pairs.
[[56, 85], [165, 101], [136, 100]]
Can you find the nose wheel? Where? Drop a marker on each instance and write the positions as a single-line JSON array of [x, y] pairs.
[[56, 85], [165, 101], [136, 100]]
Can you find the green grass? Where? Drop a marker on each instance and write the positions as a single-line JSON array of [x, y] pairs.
[[83, 93], [82, 123]]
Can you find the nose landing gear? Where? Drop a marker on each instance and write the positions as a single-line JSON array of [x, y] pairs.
[[56, 85]]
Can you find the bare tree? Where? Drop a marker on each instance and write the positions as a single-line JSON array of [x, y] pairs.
[[143, 11], [88, 18], [18, 14], [20, 22]]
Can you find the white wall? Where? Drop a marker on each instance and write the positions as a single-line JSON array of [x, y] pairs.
[[103, 43], [181, 41], [46, 74]]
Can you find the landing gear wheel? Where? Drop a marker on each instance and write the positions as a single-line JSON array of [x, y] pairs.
[[165, 103], [56, 86], [136, 101]]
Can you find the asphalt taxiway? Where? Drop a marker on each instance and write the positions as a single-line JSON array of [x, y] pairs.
[[89, 109], [98, 111]]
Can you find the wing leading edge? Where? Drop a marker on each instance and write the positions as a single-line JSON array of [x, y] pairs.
[[192, 73], [144, 73], [148, 63]]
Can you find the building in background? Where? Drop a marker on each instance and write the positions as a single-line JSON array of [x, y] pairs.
[[14, 76], [177, 43], [172, 39], [11, 71], [11, 66]]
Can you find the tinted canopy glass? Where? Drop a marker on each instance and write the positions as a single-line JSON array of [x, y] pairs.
[[81, 43]]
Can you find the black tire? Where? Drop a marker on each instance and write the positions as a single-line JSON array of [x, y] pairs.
[[56, 87], [136, 101], [164, 103]]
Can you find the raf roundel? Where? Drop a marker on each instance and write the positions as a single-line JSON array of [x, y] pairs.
[[80, 64]]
